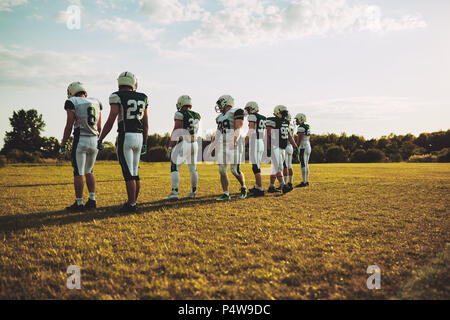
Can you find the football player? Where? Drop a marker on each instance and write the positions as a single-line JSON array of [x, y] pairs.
[[84, 115], [183, 147], [278, 136], [288, 171], [255, 141], [304, 150], [130, 109], [229, 144]]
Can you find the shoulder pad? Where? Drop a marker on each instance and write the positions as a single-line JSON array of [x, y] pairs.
[[114, 98], [179, 115], [252, 118], [69, 105]]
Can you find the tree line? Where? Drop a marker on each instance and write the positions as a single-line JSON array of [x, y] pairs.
[[24, 143]]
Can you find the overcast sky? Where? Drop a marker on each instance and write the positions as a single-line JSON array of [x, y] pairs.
[[366, 67]]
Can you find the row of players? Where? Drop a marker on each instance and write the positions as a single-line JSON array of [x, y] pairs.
[[130, 108]]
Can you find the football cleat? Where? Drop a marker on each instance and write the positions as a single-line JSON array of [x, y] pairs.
[[224, 197], [290, 186], [244, 193], [301, 185], [172, 196], [272, 190], [286, 189], [191, 195], [91, 204], [75, 208], [128, 208], [252, 190]]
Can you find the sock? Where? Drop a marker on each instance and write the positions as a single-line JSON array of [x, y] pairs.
[[259, 188], [226, 192], [175, 190], [290, 179], [92, 196], [133, 204], [194, 181], [175, 180], [79, 201], [244, 186], [194, 189]]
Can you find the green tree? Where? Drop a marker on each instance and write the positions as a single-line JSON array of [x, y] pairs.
[[336, 154], [26, 132]]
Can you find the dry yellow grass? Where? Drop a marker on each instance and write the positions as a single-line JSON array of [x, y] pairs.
[[314, 243]]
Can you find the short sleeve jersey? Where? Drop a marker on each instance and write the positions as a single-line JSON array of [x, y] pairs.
[[226, 121], [282, 127], [190, 120], [306, 130], [260, 124], [87, 113], [132, 105]]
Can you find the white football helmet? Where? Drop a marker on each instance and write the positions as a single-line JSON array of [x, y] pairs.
[[184, 101], [300, 118], [74, 88], [280, 112], [223, 102], [251, 107], [127, 79]]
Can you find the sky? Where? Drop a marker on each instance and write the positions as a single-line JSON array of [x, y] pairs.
[[365, 67]]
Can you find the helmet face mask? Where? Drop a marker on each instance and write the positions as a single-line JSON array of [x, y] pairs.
[[223, 102], [74, 88], [127, 79], [184, 101]]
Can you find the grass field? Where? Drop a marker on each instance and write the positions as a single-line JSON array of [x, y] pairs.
[[314, 243]]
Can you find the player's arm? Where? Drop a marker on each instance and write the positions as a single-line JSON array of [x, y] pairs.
[[99, 122], [173, 138], [110, 122], [292, 141], [238, 124], [251, 126], [69, 125], [269, 140], [145, 124], [300, 138]]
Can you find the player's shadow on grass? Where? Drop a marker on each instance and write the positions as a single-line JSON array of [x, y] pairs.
[[13, 223], [50, 184]]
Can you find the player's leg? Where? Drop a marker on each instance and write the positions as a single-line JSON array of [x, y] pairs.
[[137, 149], [125, 156], [91, 156], [223, 168], [289, 174], [275, 159], [192, 166], [236, 169], [78, 160], [306, 159], [302, 167]]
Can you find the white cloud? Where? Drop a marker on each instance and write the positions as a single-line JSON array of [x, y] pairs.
[[7, 5], [171, 11], [243, 23], [129, 31], [25, 67]]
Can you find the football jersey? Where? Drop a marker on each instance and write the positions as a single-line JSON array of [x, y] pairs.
[[190, 120], [260, 124], [306, 130], [282, 125], [87, 112], [132, 105], [226, 121]]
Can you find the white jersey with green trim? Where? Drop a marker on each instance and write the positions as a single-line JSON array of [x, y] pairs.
[[87, 113]]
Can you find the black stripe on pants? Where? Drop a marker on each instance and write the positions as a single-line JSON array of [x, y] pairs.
[[73, 154], [120, 154]]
